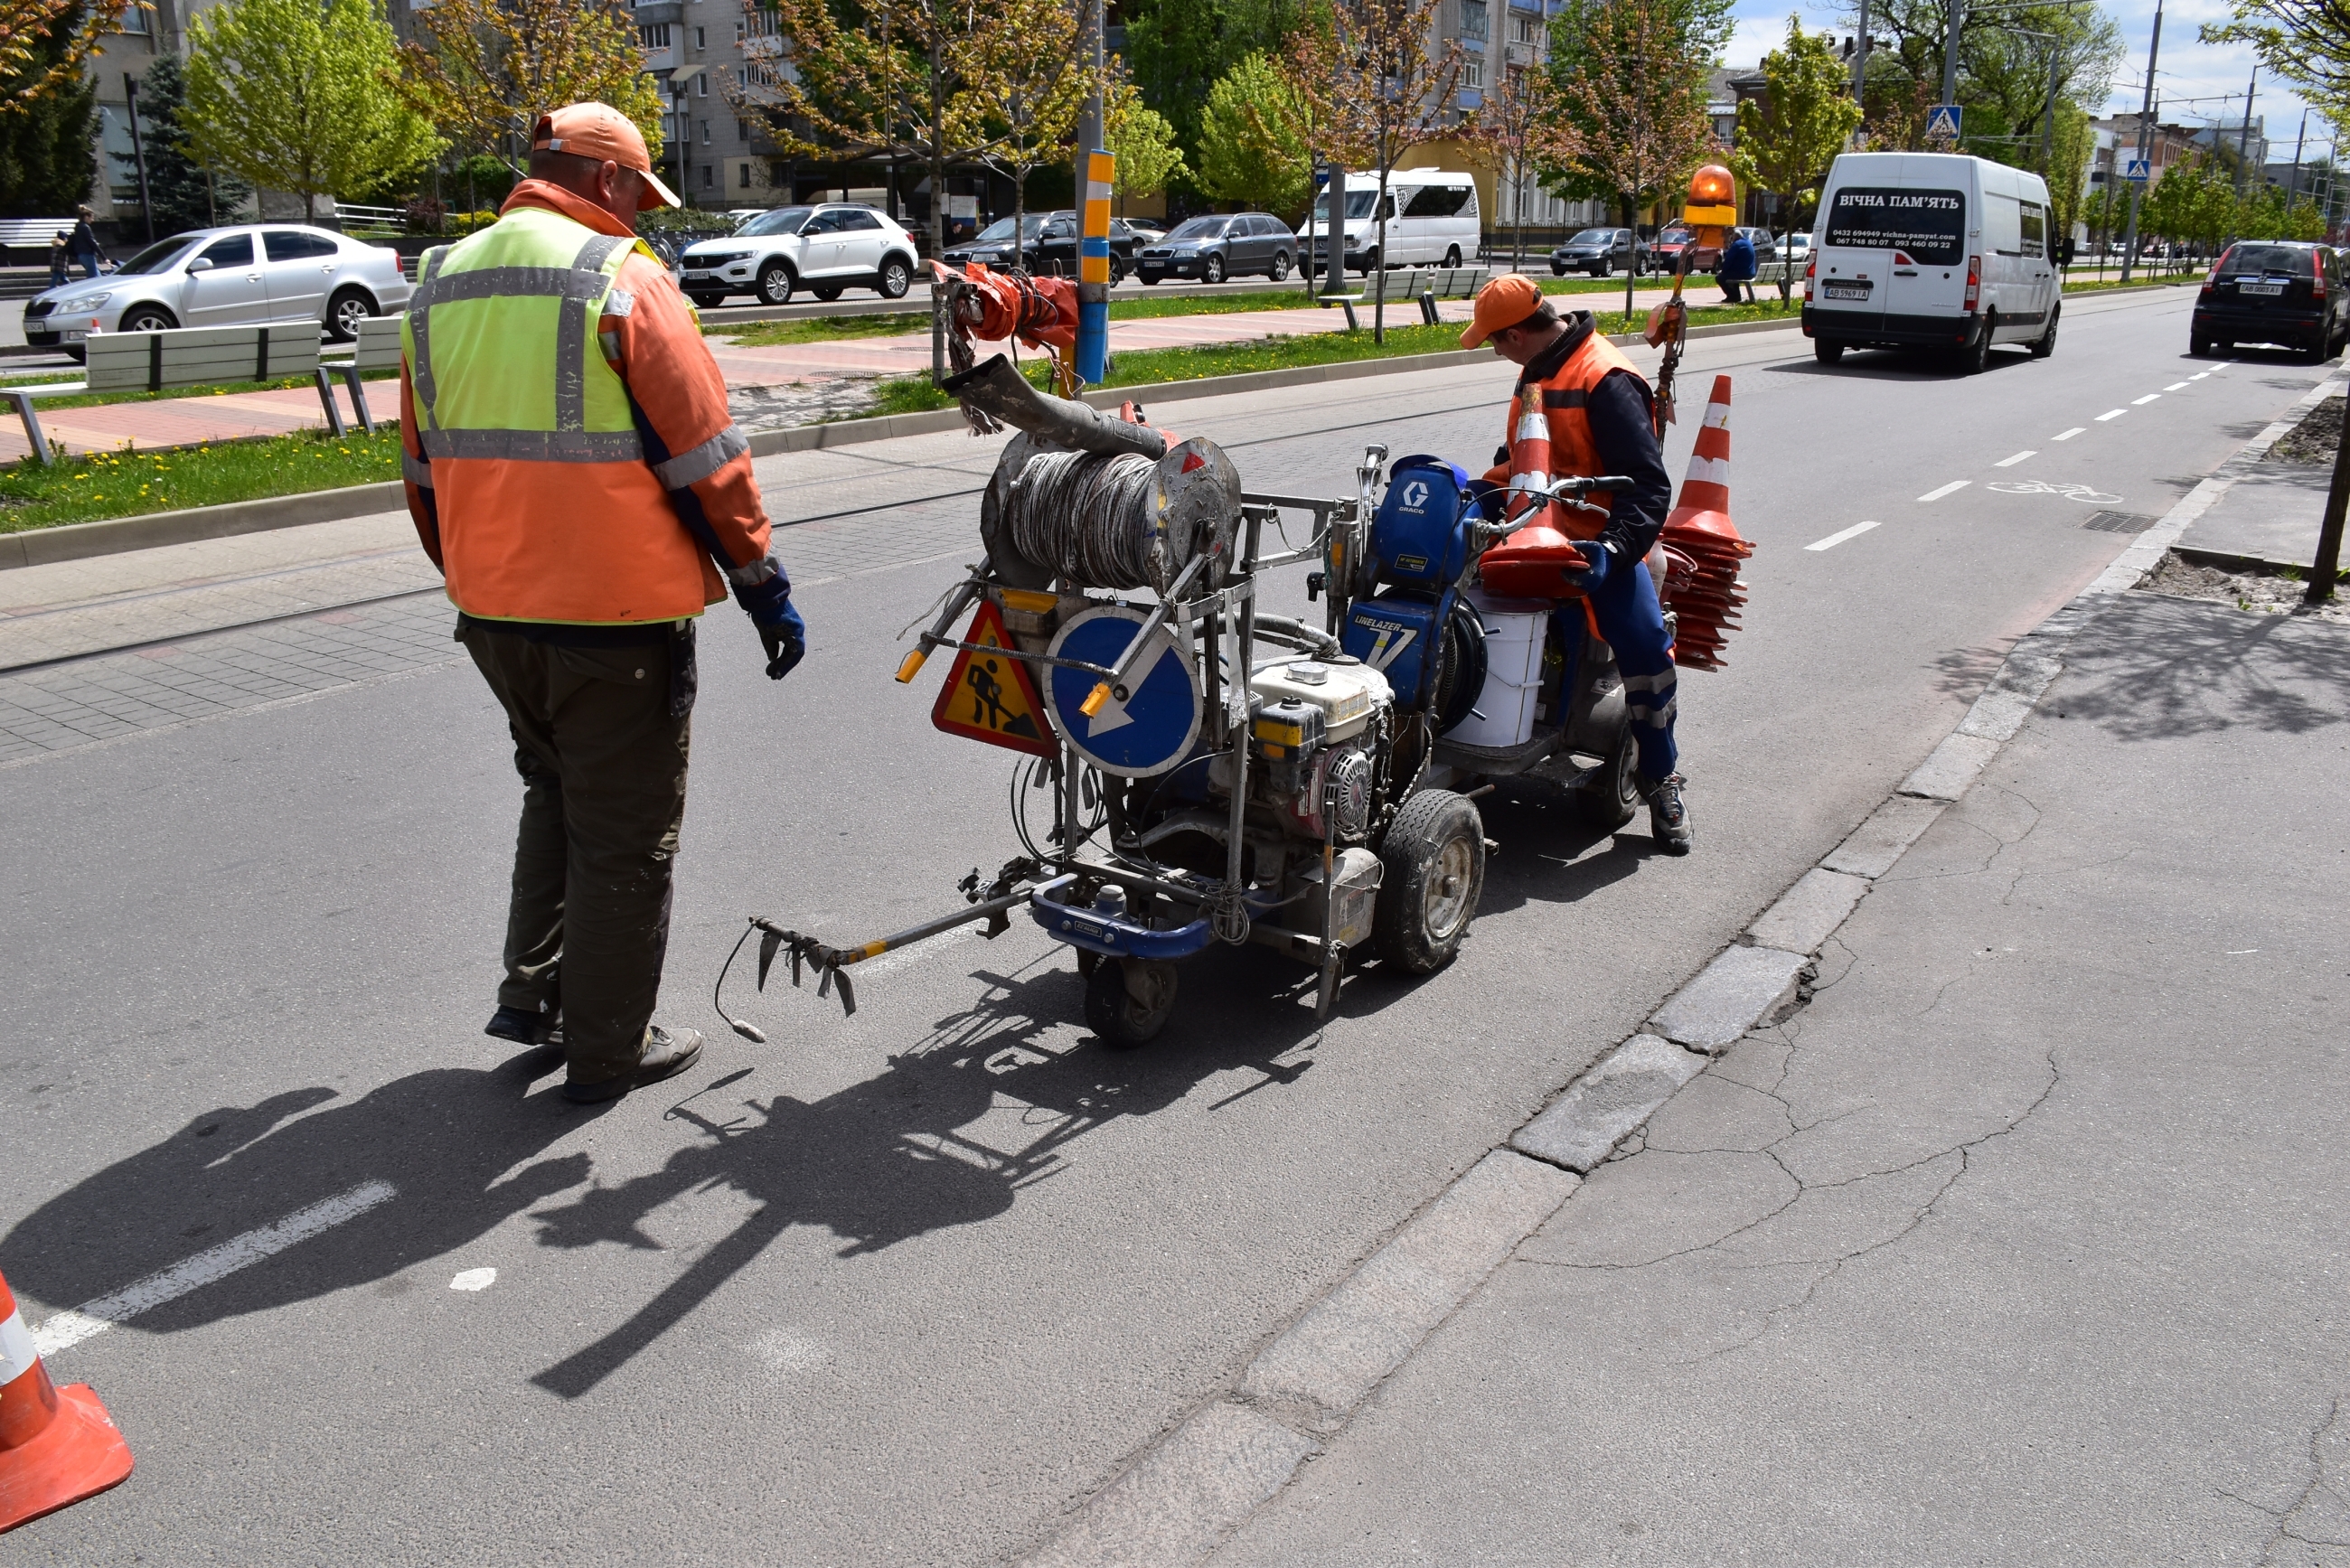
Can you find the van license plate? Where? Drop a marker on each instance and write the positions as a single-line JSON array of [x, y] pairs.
[[1848, 290], [2269, 290]]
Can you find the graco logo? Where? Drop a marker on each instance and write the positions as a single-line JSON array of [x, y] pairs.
[[1415, 495]]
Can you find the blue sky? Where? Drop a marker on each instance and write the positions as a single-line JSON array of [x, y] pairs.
[[2188, 68]]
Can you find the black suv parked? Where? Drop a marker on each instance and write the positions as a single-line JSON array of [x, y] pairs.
[[1217, 246], [2284, 292]]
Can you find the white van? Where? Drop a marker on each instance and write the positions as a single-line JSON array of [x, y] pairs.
[[1432, 221], [1930, 249]]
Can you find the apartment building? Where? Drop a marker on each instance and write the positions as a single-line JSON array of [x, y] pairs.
[[1501, 38]]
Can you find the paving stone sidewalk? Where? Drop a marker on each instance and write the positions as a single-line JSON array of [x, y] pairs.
[[2019, 1244]]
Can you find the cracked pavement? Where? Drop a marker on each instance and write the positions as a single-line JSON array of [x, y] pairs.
[[2018, 1244]]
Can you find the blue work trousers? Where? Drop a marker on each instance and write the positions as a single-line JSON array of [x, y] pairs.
[[1633, 622]]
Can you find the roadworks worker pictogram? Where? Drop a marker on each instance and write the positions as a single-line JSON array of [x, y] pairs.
[[991, 697]]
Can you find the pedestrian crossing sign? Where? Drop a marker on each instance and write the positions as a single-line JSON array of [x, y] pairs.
[[2134, 171], [991, 697], [1942, 121]]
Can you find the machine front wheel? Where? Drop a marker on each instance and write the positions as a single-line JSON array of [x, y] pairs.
[[1433, 871], [1127, 1001], [1611, 797]]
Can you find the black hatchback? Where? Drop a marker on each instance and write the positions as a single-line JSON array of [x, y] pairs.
[[2284, 292]]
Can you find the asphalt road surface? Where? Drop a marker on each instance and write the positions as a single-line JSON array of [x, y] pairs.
[[909, 1286]]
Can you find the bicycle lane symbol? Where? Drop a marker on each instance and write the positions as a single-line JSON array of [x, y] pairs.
[[2081, 492]]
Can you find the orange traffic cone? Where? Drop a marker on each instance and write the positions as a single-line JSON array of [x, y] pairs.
[[1705, 599], [57, 1445]]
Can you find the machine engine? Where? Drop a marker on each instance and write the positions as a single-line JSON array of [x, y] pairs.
[[1317, 726]]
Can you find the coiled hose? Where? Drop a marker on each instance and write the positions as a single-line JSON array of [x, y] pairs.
[[1086, 516]]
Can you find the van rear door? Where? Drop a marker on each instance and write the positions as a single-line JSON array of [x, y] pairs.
[[1925, 228]]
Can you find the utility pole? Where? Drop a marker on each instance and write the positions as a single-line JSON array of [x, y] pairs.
[[2145, 147], [2245, 141], [1860, 61], [1950, 52], [139, 154], [1094, 175], [2293, 186]]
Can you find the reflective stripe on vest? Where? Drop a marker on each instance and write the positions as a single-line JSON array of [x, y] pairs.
[[1550, 435], [489, 318]]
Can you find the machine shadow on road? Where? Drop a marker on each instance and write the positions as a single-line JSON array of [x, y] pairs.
[[1547, 858]]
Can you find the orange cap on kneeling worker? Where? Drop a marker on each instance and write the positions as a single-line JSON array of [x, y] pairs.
[[1501, 304], [599, 132]]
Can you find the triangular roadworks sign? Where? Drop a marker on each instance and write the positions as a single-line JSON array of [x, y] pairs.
[[991, 697]]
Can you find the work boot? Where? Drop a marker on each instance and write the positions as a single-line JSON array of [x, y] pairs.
[[525, 1028], [664, 1055], [1669, 817]]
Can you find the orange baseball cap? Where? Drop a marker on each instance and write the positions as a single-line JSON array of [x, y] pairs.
[[1502, 303], [599, 132]]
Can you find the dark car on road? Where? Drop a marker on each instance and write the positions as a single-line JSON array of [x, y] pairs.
[[1600, 252], [1219, 245], [1057, 247], [2274, 291]]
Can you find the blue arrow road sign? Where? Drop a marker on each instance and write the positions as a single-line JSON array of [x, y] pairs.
[[1943, 121], [1153, 728], [2135, 172]]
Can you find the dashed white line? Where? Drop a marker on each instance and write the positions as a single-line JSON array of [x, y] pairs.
[[2141, 402], [2199, 375], [1833, 540], [2019, 457], [2111, 414], [2176, 386], [70, 1328], [2068, 435], [1951, 489]]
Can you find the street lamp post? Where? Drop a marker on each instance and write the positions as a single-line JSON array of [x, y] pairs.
[[2144, 152]]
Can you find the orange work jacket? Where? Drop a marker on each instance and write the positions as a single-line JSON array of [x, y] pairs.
[[1550, 433]]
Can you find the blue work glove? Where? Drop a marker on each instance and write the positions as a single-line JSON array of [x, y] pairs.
[[1600, 560], [781, 631]]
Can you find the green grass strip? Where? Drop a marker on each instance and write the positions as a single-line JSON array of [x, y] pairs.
[[130, 483]]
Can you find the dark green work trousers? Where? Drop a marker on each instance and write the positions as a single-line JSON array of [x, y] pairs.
[[603, 774]]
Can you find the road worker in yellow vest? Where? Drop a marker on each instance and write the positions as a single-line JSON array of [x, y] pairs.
[[574, 473]]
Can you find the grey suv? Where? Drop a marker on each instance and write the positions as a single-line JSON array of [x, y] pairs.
[[1216, 246]]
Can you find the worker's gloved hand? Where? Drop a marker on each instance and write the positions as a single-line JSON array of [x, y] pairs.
[[781, 631], [1601, 561]]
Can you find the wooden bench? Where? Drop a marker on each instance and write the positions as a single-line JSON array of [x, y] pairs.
[[186, 357], [377, 348]]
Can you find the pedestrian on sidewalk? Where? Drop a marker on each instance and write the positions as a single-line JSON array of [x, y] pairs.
[[1737, 267], [84, 243], [57, 259], [573, 471]]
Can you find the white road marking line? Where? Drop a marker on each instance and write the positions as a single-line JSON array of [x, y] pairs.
[[2068, 435], [474, 1280], [2114, 414], [2019, 457], [1833, 540], [70, 1328], [2141, 402], [1951, 489], [2176, 386], [2199, 375]]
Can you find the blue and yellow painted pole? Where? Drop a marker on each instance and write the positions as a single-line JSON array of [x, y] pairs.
[[1093, 271]]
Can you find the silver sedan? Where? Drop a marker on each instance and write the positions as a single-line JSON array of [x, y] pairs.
[[235, 276]]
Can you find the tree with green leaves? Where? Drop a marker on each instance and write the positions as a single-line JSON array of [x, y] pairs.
[[295, 97], [2304, 42], [1178, 50], [1252, 139], [1789, 137], [1030, 83], [484, 70], [47, 160], [2005, 58], [1142, 140], [182, 193], [1513, 124], [1631, 80]]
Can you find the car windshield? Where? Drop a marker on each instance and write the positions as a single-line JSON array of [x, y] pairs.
[[1673, 237], [999, 233], [1196, 229], [157, 257], [1358, 204], [2289, 260], [1594, 237], [782, 221]]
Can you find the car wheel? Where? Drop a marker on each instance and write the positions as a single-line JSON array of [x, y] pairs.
[[1605, 269], [1213, 270], [1116, 269], [896, 279], [2316, 353], [2198, 346], [147, 318], [1279, 271], [1453, 256], [776, 283], [706, 300], [1556, 270], [2045, 344], [345, 312], [826, 292], [1828, 352], [1148, 277], [1975, 354]]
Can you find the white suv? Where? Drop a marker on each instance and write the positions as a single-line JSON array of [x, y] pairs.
[[823, 249]]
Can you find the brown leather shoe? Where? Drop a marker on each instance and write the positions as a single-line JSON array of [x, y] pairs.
[[665, 1056]]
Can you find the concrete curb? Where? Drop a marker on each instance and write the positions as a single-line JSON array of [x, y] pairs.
[[1192, 1488], [80, 541]]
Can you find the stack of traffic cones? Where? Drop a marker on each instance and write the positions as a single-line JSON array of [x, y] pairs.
[[57, 1445], [1706, 598]]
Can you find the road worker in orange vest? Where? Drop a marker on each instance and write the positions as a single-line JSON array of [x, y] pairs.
[[1580, 408], [574, 473]]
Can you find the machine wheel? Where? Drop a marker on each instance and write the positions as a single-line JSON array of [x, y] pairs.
[[1611, 797], [345, 312], [1453, 256], [2045, 344], [826, 292], [1974, 356], [1280, 269], [776, 283], [1433, 860], [1828, 352], [1127, 1001], [1089, 960], [1212, 269], [896, 278]]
